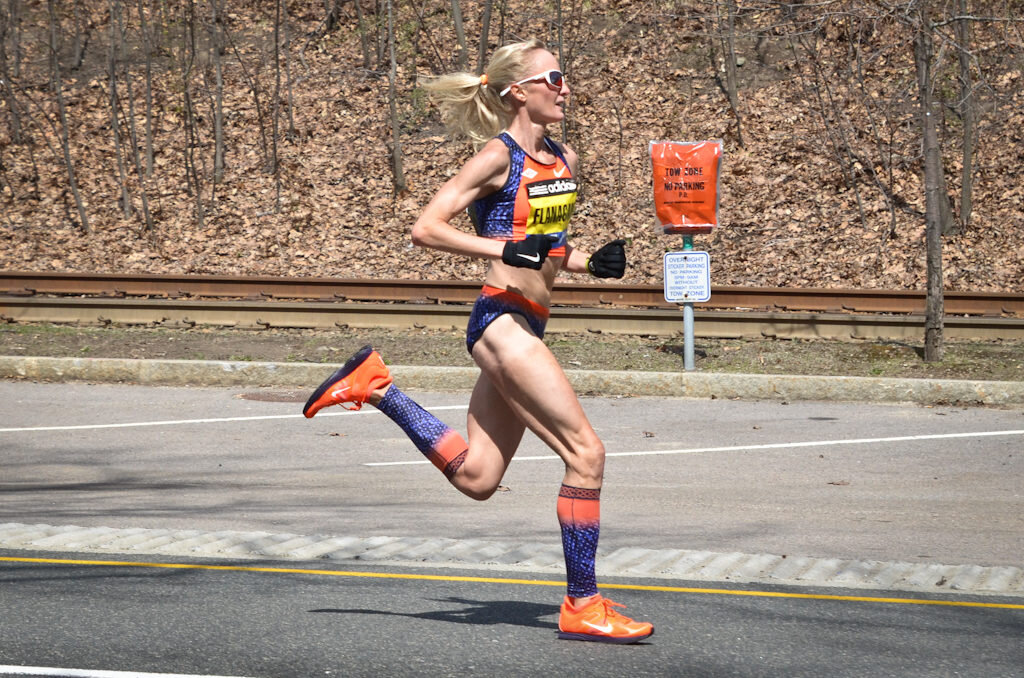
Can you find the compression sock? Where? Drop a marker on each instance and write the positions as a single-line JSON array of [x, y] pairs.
[[579, 514], [445, 448]]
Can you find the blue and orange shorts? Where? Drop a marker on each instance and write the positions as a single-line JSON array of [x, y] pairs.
[[494, 302]]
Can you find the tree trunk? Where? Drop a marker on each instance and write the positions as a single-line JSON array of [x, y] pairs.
[[80, 40], [331, 20], [731, 83], [147, 41], [192, 175], [6, 87], [485, 29], [15, 23], [501, 22], [364, 41], [132, 129], [276, 108], [57, 85], [115, 124], [967, 116], [383, 34], [460, 36], [216, 45], [396, 150], [286, 27], [923, 52]]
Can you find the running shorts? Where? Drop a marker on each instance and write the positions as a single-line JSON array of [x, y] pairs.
[[494, 302]]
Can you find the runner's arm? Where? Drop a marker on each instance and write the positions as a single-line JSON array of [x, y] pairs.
[[482, 175]]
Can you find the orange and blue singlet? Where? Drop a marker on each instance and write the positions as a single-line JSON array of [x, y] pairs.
[[537, 198]]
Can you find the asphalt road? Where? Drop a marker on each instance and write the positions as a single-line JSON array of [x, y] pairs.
[[281, 623], [836, 480], [826, 480]]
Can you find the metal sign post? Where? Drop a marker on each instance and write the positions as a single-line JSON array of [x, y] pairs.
[[688, 360], [687, 280]]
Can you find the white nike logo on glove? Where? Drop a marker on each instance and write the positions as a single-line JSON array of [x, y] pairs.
[[530, 257], [607, 628]]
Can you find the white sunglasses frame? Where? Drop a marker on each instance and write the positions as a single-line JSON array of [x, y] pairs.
[[540, 76]]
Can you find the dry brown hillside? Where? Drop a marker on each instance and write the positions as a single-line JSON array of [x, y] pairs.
[[826, 190]]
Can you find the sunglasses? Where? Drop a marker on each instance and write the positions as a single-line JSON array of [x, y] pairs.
[[552, 79]]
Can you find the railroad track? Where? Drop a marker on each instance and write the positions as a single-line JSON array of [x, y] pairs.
[[265, 302]]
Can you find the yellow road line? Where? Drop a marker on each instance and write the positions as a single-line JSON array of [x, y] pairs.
[[520, 582]]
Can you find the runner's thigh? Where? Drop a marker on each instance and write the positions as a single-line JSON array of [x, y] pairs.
[[533, 385]]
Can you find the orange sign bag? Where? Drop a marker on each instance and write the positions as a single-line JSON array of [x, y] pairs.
[[686, 184]]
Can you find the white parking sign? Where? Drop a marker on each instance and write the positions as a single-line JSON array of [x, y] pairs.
[[687, 276]]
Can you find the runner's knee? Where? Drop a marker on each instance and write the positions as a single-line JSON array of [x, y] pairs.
[[476, 483], [478, 492]]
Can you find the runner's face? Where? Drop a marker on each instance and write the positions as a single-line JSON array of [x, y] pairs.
[[544, 102]]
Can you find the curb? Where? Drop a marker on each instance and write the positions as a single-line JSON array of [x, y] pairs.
[[586, 382], [672, 564]]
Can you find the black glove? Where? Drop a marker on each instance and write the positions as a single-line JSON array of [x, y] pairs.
[[609, 261], [528, 253]]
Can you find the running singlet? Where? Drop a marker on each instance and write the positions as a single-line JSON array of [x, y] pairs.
[[536, 198]]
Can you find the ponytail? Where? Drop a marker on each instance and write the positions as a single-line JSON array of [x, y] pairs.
[[470, 105]]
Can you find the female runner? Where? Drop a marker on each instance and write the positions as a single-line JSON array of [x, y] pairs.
[[520, 189]]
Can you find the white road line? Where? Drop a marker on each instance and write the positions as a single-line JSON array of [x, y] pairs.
[[180, 422], [741, 448], [87, 673]]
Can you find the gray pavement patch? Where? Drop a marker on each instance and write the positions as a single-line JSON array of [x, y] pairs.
[[671, 564], [606, 383]]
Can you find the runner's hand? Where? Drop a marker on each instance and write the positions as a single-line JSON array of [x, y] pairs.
[[528, 253], [609, 261]]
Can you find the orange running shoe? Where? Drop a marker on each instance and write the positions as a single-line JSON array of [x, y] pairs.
[[353, 383], [597, 621]]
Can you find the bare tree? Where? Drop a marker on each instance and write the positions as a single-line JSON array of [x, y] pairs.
[[460, 36], [57, 85], [132, 129], [6, 84], [254, 87], [364, 38], [333, 9], [115, 125], [485, 29], [440, 65], [721, 39], [276, 108], [286, 28], [216, 47], [396, 148], [193, 176], [14, 23], [923, 55], [829, 109], [147, 46], [963, 34], [80, 41], [728, 32]]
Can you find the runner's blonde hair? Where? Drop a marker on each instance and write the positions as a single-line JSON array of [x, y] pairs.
[[469, 103]]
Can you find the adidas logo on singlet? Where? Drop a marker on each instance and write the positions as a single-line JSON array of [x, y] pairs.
[[550, 187]]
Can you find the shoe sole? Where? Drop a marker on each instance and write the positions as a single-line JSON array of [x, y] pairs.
[[594, 638], [348, 368]]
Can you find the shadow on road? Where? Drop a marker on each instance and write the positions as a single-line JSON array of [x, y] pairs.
[[475, 612]]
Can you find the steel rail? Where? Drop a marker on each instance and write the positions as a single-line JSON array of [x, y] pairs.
[[460, 292], [179, 313]]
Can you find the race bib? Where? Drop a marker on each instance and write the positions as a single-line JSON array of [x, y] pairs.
[[551, 205]]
